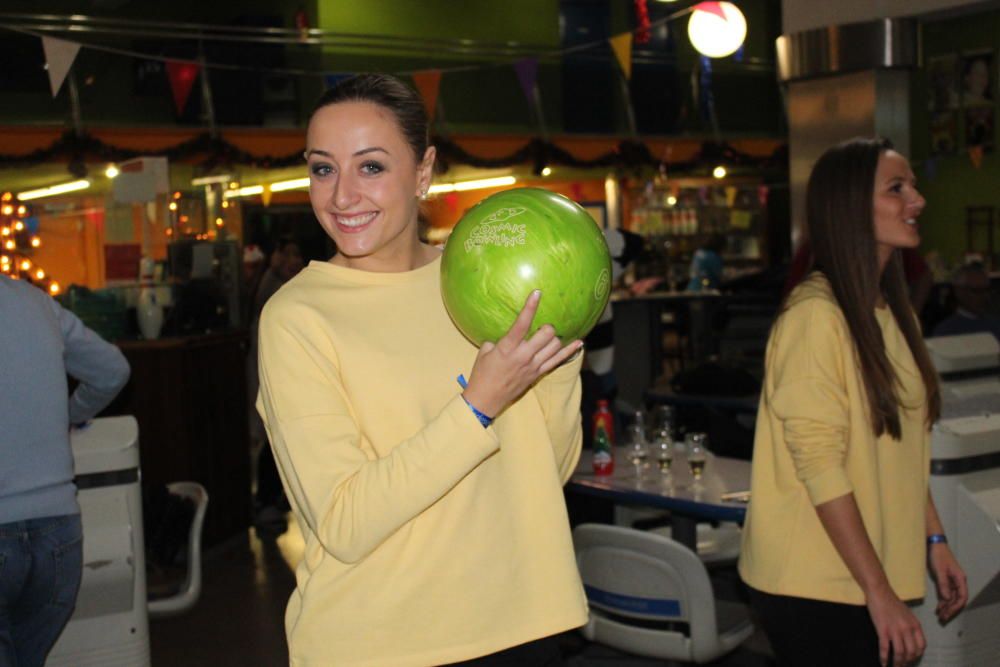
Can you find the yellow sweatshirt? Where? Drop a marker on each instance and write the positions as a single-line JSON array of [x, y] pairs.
[[814, 442], [429, 539]]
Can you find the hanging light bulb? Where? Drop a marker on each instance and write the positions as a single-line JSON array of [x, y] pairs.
[[18, 226], [40, 274], [36, 242], [112, 171], [25, 264], [719, 172], [54, 288], [717, 29]]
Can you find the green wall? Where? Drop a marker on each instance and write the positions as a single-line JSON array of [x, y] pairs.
[[951, 183]]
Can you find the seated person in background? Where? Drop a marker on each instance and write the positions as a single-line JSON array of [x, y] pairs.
[[706, 264], [972, 292]]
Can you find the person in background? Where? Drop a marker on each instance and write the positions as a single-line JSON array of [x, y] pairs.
[[253, 270], [841, 522], [973, 314], [625, 247], [431, 507], [706, 264], [270, 505], [41, 541]]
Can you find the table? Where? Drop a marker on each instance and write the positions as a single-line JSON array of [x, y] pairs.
[[189, 396], [688, 501]]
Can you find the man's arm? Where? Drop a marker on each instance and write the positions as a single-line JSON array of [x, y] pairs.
[[100, 367]]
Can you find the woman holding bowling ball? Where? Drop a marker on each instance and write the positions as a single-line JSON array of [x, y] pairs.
[[841, 522], [433, 515]]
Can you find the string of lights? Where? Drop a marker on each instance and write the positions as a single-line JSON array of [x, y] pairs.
[[19, 243]]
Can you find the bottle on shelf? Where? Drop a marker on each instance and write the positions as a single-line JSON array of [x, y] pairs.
[[603, 457]]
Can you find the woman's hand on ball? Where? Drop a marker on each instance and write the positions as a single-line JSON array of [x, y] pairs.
[[505, 370]]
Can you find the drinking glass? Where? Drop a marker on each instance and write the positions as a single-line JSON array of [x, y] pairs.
[[696, 454], [664, 451], [637, 450]]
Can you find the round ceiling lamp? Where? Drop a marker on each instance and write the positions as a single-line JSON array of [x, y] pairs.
[[717, 29]]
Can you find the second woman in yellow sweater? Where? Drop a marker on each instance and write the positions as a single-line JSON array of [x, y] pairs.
[[841, 521]]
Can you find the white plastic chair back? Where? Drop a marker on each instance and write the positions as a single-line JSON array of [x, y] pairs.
[[191, 589], [651, 596]]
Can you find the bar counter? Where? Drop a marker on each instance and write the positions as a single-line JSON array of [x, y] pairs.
[[189, 397]]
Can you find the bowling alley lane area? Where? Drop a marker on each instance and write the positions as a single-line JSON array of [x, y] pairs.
[[327, 212]]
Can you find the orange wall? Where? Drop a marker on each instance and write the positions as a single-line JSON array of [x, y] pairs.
[[445, 210]]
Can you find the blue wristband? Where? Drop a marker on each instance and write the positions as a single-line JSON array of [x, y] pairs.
[[937, 538], [483, 419]]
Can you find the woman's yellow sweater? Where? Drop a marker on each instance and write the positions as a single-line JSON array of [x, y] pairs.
[[429, 539], [814, 443]]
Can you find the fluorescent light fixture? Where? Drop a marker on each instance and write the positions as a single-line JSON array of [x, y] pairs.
[[53, 190], [294, 184], [478, 184], [248, 191], [210, 180]]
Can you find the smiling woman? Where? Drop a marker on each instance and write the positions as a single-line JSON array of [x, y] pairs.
[[421, 501]]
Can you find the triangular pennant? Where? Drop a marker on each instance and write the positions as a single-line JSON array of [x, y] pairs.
[[711, 8], [622, 46], [265, 196], [930, 168], [527, 74], [59, 57], [976, 155], [181, 76], [428, 82]]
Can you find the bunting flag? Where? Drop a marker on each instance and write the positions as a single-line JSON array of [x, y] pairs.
[[622, 46], [265, 196], [976, 155], [333, 79], [706, 96], [428, 82], [527, 74], [59, 57], [181, 76], [930, 168], [711, 8]]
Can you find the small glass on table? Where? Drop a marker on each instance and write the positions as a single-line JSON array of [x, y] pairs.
[[697, 456], [664, 451], [636, 449]]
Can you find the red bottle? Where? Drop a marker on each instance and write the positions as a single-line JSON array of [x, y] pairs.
[[603, 457]]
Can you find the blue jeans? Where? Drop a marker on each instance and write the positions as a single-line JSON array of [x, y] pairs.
[[41, 563]]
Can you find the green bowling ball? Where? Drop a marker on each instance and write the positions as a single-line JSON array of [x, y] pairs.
[[517, 241]]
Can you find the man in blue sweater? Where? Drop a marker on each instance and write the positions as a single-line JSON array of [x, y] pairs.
[[41, 547]]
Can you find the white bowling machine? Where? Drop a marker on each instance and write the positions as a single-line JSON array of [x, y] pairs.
[[965, 482], [109, 627]]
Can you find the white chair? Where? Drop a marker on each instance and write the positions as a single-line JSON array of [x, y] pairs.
[[651, 596], [191, 588], [717, 545]]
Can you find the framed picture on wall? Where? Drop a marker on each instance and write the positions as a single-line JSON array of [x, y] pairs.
[[942, 83], [944, 132], [979, 127], [977, 79]]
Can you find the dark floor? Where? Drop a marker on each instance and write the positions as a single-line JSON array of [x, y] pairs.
[[238, 621]]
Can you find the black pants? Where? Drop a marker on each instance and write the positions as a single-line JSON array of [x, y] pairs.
[[814, 633], [543, 652]]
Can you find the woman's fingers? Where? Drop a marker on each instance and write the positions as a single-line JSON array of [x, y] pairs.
[[515, 335], [561, 356]]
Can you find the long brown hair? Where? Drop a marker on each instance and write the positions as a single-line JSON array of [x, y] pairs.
[[839, 210]]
